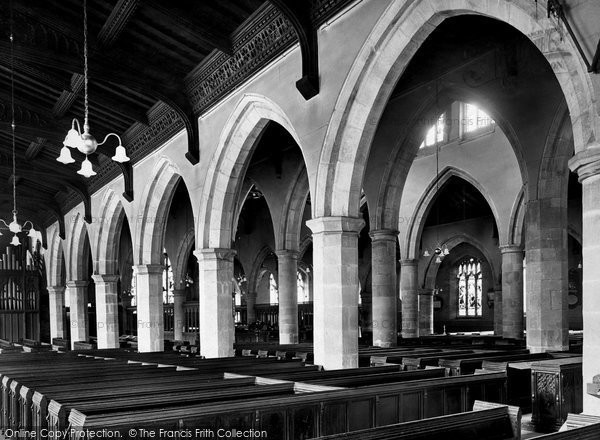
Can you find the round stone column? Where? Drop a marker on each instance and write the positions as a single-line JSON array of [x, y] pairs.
[[384, 287], [149, 293], [587, 166], [217, 333], [250, 303], [287, 273], [78, 311], [425, 312], [409, 292], [512, 291], [57, 312], [107, 311], [179, 296], [335, 266]]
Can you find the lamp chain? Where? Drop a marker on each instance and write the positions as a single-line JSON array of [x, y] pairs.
[[85, 68], [12, 107]]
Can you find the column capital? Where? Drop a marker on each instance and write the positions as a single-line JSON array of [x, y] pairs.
[[148, 269], [409, 262], [287, 253], [179, 293], [105, 278], [586, 163], [77, 283], [55, 289], [510, 249], [214, 254], [333, 224], [251, 295], [384, 235]]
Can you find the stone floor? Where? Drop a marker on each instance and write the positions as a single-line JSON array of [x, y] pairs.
[[527, 429]]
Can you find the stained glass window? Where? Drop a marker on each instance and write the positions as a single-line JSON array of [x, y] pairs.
[[301, 290], [469, 288], [168, 296]]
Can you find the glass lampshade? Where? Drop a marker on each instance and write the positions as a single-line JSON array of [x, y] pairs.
[[86, 169], [120, 155], [15, 240], [65, 156], [73, 139]]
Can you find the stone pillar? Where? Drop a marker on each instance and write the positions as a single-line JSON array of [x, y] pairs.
[[409, 292], [178, 313], [216, 318], [250, 303], [287, 269], [78, 311], [335, 268], [384, 287], [57, 312], [367, 316], [107, 311], [512, 291], [587, 165], [498, 312], [547, 276], [425, 312], [150, 325]]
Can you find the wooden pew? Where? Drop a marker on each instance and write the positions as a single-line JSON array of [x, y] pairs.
[[378, 378], [304, 376], [58, 411], [468, 364], [577, 427], [421, 360], [486, 421], [315, 414]]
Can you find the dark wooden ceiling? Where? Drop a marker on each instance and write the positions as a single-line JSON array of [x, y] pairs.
[[154, 67]]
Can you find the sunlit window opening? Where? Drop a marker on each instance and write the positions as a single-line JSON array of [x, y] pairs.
[[273, 291], [469, 288], [474, 118], [302, 290], [435, 133]]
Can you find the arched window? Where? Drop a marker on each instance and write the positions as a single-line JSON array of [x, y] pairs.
[[436, 133], [273, 291], [168, 297], [469, 288]]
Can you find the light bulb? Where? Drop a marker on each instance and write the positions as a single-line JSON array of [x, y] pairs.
[[15, 240], [65, 156], [120, 155], [86, 169]]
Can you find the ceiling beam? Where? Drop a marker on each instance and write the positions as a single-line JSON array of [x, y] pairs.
[[299, 14]]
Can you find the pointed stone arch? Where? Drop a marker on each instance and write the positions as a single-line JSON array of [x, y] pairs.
[[79, 248], [418, 219], [226, 171], [152, 219], [180, 262], [293, 211], [55, 260], [111, 222], [391, 45]]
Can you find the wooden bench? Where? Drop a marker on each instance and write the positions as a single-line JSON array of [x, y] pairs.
[[486, 421], [314, 414], [378, 378], [468, 364], [576, 427]]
